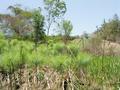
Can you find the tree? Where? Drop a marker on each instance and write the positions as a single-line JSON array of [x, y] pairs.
[[17, 10], [66, 28], [110, 30], [38, 24], [19, 20], [85, 35], [54, 9]]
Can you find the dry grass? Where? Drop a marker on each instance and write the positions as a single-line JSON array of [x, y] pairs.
[[111, 48]]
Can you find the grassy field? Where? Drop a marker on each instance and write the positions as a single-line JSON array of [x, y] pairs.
[[51, 65]]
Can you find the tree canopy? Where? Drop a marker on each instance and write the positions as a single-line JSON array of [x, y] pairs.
[[54, 9], [19, 20], [110, 30], [38, 24]]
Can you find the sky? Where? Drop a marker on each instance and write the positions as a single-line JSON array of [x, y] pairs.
[[85, 15]]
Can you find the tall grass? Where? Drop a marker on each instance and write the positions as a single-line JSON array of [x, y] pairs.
[[87, 70]]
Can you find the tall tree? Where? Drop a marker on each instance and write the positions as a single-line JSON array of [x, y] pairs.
[[66, 28], [39, 32], [54, 9]]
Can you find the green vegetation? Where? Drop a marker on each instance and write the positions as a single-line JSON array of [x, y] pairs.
[[65, 30], [91, 70], [55, 11], [39, 32], [111, 30], [31, 59]]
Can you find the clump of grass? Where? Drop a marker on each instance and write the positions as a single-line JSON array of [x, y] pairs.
[[59, 49], [59, 63], [14, 42], [40, 76], [3, 44], [104, 69], [2, 36], [61, 58], [73, 50]]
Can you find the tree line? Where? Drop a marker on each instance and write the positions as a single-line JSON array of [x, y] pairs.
[[110, 30], [32, 24]]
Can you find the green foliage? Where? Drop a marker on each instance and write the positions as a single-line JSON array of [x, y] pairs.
[[73, 50], [39, 34], [59, 49], [40, 76], [15, 9], [65, 29], [18, 53], [3, 43], [110, 30], [36, 63], [19, 21], [55, 9], [104, 68], [1, 36]]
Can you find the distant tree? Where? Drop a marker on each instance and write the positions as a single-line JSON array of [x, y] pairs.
[[85, 35], [54, 9], [66, 28], [18, 20], [110, 30], [38, 24], [17, 10]]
